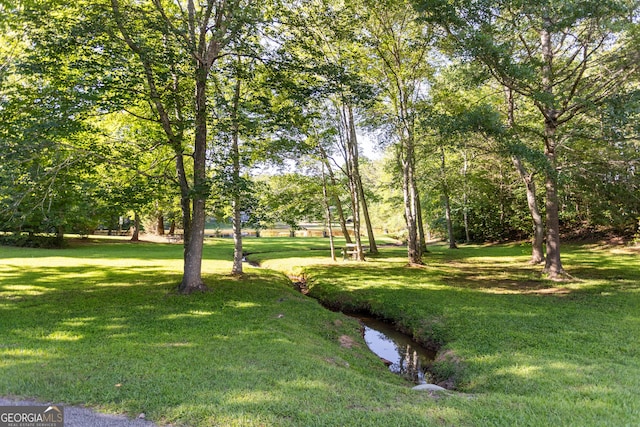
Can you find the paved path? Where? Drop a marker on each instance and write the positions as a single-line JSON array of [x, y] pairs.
[[76, 416]]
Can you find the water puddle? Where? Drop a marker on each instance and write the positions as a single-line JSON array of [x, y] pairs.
[[404, 356]]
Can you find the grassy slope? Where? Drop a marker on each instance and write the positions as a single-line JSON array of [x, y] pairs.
[[534, 352], [100, 325]]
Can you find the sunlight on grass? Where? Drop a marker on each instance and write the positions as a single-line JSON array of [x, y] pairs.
[[201, 313], [293, 265], [63, 336], [101, 324], [78, 321], [12, 356], [190, 314], [520, 371], [21, 290], [250, 396], [241, 304], [305, 383], [114, 327], [494, 260], [115, 285], [175, 344]]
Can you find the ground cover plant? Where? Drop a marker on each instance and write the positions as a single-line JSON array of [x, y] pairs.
[[101, 324]]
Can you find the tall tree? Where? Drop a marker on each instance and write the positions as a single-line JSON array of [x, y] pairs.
[[325, 34], [446, 200], [349, 146], [46, 142], [327, 210], [401, 49], [175, 45], [564, 57], [528, 178]]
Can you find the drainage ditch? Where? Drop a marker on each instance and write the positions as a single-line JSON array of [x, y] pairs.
[[400, 352], [402, 355]]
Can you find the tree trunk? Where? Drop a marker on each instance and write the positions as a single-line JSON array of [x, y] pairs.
[[235, 159], [465, 201], [553, 264], [135, 236], [237, 238], [421, 235], [59, 236], [185, 200], [352, 175], [373, 248], [465, 218], [537, 253], [327, 211], [336, 198], [342, 219], [192, 277], [406, 159], [160, 224], [194, 238], [447, 214], [447, 205]]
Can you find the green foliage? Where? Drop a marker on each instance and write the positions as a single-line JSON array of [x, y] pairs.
[[71, 160], [594, 61], [601, 183], [293, 198], [30, 240]]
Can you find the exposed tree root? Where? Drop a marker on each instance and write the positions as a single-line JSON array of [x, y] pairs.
[[560, 276]]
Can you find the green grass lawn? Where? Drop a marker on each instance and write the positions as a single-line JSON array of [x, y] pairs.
[[100, 324]]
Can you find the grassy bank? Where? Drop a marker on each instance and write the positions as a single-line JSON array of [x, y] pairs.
[[530, 351], [100, 324]]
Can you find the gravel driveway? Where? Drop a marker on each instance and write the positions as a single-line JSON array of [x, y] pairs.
[[75, 416]]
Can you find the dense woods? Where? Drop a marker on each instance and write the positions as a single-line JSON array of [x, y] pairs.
[[489, 122]]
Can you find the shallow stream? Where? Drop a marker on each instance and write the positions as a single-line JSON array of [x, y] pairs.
[[402, 354], [398, 351]]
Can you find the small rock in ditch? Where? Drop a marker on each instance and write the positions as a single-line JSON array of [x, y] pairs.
[[429, 387]]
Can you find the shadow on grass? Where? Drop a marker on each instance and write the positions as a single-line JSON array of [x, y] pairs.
[[247, 352], [214, 249], [516, 332], [253, 351]]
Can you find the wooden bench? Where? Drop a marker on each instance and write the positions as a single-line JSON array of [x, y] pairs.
[[111, 232], [351, 251], [175, 238]]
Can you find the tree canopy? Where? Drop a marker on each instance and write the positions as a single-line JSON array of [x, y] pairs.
[[492, 116]]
